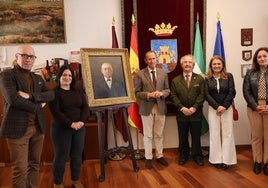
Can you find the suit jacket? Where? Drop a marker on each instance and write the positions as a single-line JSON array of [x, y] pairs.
[[225, 95], [182, 96], [144, 85], [250, 88], [101, 89], [18, 109]]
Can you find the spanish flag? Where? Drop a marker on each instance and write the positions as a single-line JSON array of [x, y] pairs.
[[134, 119]]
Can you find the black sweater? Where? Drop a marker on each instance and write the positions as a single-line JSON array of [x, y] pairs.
[[69, 106]]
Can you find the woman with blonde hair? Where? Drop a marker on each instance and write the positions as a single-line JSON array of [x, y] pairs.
[[220, 92]]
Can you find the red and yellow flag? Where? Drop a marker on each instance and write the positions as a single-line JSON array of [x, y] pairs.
[[119, 118], [134, 119]]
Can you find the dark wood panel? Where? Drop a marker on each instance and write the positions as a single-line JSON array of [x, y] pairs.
[[4, 153], [91, 149]]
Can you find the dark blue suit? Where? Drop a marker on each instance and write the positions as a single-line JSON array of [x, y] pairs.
[[101, 89]]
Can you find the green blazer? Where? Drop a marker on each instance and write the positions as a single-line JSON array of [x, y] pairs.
[[193, 96]]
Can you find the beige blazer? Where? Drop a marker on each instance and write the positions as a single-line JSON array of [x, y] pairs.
[[144, 85]]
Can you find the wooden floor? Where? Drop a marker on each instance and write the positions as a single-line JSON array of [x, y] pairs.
[[120, 174]]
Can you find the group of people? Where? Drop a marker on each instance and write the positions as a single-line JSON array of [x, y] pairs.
[[25, 94], [188, 92]]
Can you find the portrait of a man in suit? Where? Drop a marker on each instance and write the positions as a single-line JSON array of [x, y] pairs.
[[108, 85]]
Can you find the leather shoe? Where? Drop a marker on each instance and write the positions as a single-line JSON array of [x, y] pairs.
[[148, 164], [257, 168], [225, 166], [183, 160], [265, 169], [199, 161], [217, 165], [162, 161]]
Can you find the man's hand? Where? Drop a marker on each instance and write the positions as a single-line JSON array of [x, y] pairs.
[[155, 94], [188, 111]]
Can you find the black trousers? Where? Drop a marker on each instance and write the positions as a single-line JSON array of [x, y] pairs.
[[184, 147], [68, 143]]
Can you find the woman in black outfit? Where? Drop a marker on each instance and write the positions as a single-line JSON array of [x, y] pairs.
[[70, 111]]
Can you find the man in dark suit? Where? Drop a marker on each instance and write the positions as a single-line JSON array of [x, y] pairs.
[[151, 88], [108, 86], [187, 94], [23, 124]]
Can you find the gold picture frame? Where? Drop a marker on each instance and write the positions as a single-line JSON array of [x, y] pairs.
[[92, 61], [244, 69]]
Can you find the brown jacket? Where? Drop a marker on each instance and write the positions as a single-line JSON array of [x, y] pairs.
[[18, 109], [144, 84]]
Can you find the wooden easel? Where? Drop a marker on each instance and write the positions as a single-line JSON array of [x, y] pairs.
[[102, 135]]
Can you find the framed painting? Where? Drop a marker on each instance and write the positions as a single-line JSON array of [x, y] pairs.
[[244, 69], [106, 76], [32, 21]]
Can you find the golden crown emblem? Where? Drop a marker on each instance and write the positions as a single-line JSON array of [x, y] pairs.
[[163, 29]]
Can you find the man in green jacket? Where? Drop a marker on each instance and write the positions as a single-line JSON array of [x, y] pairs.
[[187, 94]]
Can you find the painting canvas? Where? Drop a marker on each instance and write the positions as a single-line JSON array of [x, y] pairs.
[[106, 76], [32, 21]]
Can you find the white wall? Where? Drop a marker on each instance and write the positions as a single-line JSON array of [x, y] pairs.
[[235, 15], [88, 24]]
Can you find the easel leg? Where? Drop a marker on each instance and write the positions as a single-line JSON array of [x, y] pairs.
[[101, 146], [135, 167]]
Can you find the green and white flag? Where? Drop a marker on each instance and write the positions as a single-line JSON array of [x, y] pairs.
[[198, 52], [200, 67]]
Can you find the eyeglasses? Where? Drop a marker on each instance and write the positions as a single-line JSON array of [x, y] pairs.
[[26, 56]]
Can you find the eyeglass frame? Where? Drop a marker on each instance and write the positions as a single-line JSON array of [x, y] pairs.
[[26, 56]]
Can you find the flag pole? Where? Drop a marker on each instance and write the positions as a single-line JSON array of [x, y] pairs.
[[200, 69], [218, 16], [116, 153], [137, 153]]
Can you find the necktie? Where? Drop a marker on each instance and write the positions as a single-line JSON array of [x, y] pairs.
[[109, 82], [262, 87], [154, 78], [187, 79]]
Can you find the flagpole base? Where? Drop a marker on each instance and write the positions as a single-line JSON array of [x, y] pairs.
[[138, 155], [205, 153], [116, 156]]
